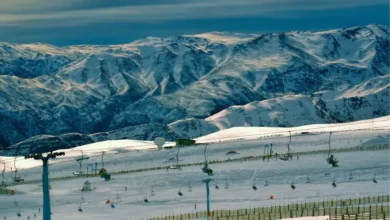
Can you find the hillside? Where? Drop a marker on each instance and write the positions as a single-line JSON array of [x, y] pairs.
[[189, 86]]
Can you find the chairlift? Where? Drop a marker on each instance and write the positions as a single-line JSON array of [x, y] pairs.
[[152, 192], [190, 188], [16, 204], [117, 195], [334, 182], [180, 193], [287, 156], [79, 171], [331, 159], [17, 178], [146, 198], [80, 209], [292, 184], [216, 184], [206, 168], [18, 213], [307, 179]]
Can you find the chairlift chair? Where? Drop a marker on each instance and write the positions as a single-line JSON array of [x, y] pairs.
[[80, 209], [206, 168], [266, 182], [334, 182], [18, 213], [190, 188], [152, 192], [292, 185], [180, 193], [17, 178], [226, 185], [331, 159], [117, 195], [79, 171], [254, 187], [374, 179], [287, 156]]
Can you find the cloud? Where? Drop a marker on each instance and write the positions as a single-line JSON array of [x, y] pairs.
[[80, 12]]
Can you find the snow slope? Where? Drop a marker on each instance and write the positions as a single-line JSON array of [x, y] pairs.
[[66, 195], [256, 132]]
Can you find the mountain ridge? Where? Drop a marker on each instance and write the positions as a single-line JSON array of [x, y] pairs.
[[167, 81]]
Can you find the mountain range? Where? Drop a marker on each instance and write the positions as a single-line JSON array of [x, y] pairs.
[[191, 85]]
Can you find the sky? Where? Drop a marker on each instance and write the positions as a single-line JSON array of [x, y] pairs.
[[70, 22]]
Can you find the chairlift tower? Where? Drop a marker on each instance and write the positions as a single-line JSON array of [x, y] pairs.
[[207, 181], [45, 179], [95, 169], [2, 175], [103, 159]]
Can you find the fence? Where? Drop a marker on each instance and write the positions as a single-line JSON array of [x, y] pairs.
[[376, 207], [358, 148], [7, 192]]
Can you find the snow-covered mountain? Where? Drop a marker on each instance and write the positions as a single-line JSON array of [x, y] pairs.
[[188, 86]]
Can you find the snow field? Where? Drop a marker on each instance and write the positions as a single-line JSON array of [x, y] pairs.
[[66, 195]]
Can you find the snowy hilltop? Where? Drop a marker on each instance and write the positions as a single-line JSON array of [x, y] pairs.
[[191, 85]]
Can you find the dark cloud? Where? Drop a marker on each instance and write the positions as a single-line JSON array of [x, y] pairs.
[[67, 22]]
